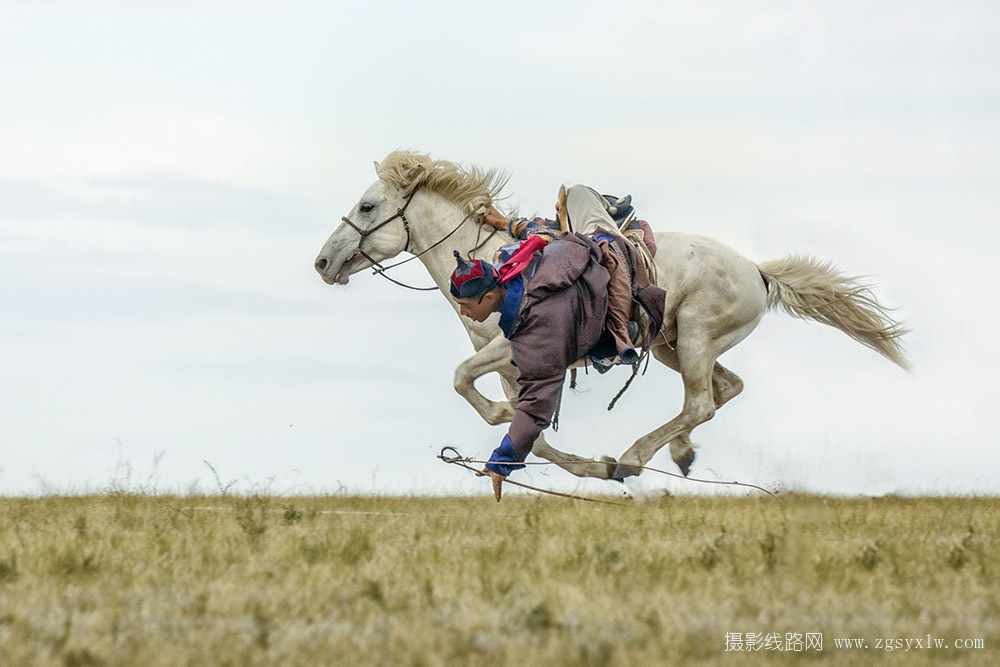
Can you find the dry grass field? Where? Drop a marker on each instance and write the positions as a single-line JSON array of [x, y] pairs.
[[131, 579]]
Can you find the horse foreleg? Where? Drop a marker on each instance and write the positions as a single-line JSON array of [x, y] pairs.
[[573, 464], [492, 357]]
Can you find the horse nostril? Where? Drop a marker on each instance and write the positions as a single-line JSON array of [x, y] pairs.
[[321, 264]]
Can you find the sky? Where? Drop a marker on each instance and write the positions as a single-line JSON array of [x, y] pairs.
[[171, 169]]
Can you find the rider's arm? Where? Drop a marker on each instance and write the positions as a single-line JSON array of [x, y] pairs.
[[522, 228], [496, 219], [539, 350]]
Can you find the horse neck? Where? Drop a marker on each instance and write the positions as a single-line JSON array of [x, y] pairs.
[[433, 219]]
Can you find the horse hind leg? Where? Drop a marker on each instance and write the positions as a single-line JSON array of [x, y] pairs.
[[726, 385], [681, 447], [696, 366], [682, 452]]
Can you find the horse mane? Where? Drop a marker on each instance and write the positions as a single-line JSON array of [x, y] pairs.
[[472, 188]]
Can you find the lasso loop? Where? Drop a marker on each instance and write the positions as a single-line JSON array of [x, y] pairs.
[[450, 459]]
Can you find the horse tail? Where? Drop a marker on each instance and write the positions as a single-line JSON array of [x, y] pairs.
[[807, 288]]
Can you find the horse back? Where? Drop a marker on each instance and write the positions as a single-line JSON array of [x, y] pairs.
[[707, 276]]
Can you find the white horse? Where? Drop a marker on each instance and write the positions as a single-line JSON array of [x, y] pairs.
[[715, 297]]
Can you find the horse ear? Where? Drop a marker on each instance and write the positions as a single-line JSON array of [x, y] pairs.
[[413, 174], [377, 166]]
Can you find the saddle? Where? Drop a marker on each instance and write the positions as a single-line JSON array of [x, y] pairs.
[[620, 209], [637, 231], [635, 304], [622, 213]]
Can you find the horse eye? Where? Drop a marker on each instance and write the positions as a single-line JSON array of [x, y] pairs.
[[367, 207]]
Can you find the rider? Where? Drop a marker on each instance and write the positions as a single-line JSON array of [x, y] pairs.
[[553, 304], [581, 209]]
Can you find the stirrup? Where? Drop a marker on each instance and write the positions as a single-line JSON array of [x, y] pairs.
[[620, 209]]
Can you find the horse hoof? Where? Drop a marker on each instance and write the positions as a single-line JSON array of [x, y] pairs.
[[685, 462], [623, 471], [611, 464]]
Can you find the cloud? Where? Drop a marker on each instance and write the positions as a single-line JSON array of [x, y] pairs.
[[150, 299], [170, 175], [151, 248], [161, 199]]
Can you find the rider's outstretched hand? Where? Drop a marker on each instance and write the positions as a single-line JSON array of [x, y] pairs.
[[497, 481]]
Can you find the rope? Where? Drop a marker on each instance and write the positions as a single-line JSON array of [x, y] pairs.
[[555, 415], [432, 246], [463, 463], [380, 270], [635, 371], [459, 460], [479, 246]]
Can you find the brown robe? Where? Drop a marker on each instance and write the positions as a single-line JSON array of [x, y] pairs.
[[561, 318]]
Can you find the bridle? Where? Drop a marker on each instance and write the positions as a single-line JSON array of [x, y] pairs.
[[400, 213], [365, 233]]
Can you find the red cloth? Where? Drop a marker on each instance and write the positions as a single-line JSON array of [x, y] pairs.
[[519, 261]]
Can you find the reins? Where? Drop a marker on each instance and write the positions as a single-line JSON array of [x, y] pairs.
[[377, 267], [458, 459], [479, 246], [463, 462]]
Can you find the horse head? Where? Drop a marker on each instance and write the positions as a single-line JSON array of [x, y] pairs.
[[377, 228], [373, 231]]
